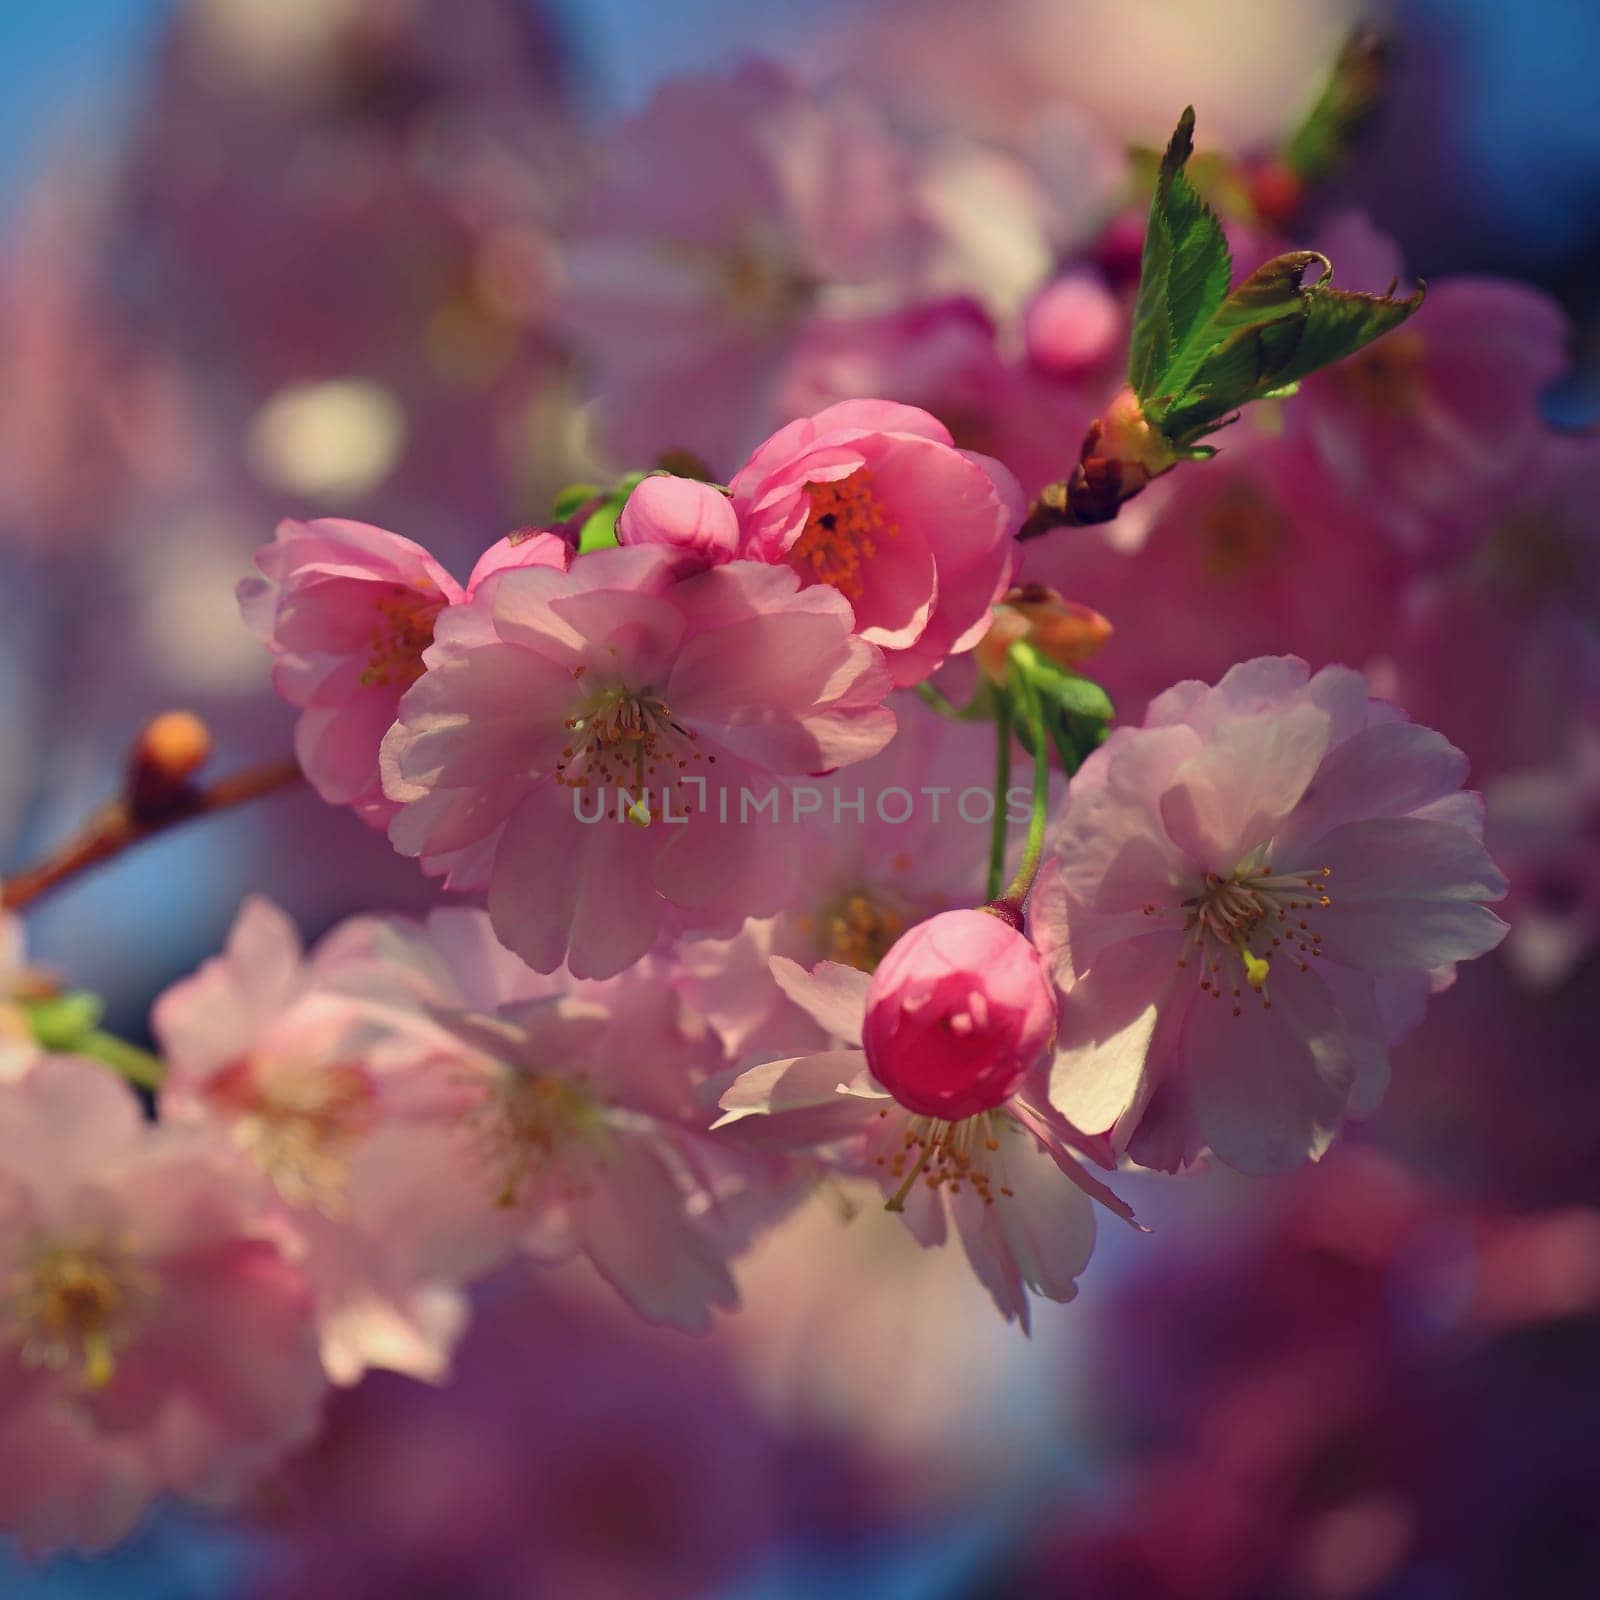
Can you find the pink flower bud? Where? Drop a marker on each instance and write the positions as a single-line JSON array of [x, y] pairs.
[[690, 517], [958, 1013], [1073, 326]]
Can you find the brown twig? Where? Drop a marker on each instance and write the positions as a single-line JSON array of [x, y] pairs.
[[118, 827]]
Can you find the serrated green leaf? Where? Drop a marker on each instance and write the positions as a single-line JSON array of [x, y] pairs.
[[1339, 323], [1269, 360], [1183, 273], [1272, 293], [571, 500], [600, 531]]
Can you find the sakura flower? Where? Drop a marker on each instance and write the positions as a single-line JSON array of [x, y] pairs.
[[153, 1338], [340, 1108], [874, 500], [583, 743], [719, 220], [1444, 411], [1498, 647], [347, 610], [1251, 896], [577, 1107], [1001, 1173], [944, 356], [1544, 824]]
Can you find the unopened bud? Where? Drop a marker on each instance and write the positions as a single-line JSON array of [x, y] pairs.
[[166, 755], [1061, 630], [1277, 192]]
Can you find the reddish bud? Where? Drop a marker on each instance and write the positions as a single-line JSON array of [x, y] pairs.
[[167, 754]]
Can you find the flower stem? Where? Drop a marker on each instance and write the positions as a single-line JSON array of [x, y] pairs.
[[1017, 890], [1002, 782], [935, 701], [118, 826], [138, 1066]]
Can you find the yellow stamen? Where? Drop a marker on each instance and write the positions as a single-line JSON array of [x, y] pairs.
[[842, 533]]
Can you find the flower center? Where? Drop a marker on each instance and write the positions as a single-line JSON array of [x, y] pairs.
[[404, 629], [1252, 918], [627, 740], [75, 1305], [1387, 377], [943, 1155], [527, 1122], [842, 532], [299, 1124], [858, 928], [1243, 533]]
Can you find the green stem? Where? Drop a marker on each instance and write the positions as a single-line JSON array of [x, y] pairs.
[[1019, 886], [1002, 781], [935, 701], [138, 1066]]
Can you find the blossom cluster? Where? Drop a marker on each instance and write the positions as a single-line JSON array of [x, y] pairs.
[[703, 968]]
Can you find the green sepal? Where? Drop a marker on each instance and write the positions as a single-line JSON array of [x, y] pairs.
[[571, 500], [599, 532], [63, 1021], [1077, 710], [69, 1024]]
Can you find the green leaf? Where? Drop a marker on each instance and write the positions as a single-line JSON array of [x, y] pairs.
[[600, 531], [1268, 359], [571, 500], [1342, 322], [1183, 274], [1272, 293], [1345, 103]]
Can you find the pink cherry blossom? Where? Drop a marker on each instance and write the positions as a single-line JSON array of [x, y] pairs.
[[1443, 411], [958, 1014], [874, 500], [1249, 899], [582, 743], [343, 1109], [1074, 326], [155, 1338], [720, 218], [1004, 1177], [945, 356], [1498, 647], [1544, 825], [577, 1105], [347, 610]]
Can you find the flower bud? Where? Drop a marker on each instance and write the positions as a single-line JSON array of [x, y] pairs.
[[167, 754], [1061, 630], [1073, 326], [684, 514], [958, 1013]]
